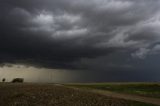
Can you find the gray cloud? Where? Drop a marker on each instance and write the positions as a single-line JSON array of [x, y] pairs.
[[89, 35]]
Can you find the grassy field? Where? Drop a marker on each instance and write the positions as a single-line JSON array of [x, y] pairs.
[[142, 89], [55, 95]]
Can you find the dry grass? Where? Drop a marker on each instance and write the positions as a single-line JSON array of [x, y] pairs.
[[52, 95]]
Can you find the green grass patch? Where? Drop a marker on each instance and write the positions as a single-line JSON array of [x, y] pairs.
[[135, 103], [143, 89]]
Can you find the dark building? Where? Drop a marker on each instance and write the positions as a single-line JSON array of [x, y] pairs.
[[18, 80]]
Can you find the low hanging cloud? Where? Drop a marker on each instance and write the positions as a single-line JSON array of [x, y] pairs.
[[79, 34]]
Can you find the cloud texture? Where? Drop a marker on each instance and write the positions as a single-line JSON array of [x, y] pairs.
[[95, 35]]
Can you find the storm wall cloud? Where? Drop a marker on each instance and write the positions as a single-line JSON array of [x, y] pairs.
[[115, 37]]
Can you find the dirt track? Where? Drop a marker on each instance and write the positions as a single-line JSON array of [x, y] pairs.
[[155, 101]]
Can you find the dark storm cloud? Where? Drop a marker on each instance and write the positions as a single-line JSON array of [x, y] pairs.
[[79, 34]]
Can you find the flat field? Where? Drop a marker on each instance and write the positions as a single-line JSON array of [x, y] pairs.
[[56, 95], [141, 89]]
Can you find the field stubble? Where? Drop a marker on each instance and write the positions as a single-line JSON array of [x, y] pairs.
[[53, 95]]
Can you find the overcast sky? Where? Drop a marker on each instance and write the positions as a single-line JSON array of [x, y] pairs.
[[95, 40]]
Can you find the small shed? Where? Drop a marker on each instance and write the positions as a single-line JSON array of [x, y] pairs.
[[18, 80]]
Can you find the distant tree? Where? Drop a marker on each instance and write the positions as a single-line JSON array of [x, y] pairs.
[[3, 80]]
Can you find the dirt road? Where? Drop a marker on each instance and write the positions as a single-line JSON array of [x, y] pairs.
[[155, 101]]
